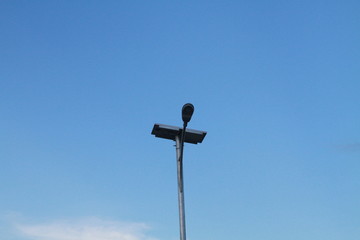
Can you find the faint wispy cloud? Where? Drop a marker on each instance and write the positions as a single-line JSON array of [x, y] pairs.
[[85, 229], [353, 147]]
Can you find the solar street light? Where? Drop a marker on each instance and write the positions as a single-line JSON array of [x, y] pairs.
[[180, 135]]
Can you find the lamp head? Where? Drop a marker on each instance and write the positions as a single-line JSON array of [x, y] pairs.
[[187, 112]]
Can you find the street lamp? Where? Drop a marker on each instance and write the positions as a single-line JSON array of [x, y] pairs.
[[180, 135]]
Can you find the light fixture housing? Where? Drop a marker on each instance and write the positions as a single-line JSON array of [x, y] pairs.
[[187, 112]]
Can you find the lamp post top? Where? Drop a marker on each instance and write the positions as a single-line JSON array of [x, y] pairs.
[[170, 132]]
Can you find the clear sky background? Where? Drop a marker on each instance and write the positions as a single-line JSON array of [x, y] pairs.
[[274, 83]]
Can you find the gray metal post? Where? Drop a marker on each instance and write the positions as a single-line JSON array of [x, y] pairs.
[[179, 164]]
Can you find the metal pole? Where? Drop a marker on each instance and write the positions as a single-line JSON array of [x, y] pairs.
[[179, 164]]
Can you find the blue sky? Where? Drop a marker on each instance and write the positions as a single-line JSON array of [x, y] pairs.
[[274, 83]]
